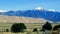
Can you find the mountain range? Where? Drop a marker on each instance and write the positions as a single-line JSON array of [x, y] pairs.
[[53, 16]]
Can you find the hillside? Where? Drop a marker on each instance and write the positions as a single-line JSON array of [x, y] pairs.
[[16, 19]]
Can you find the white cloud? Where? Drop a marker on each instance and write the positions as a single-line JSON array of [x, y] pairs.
[[3, 10]]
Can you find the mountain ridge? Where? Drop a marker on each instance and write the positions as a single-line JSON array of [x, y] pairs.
[[45, 14]]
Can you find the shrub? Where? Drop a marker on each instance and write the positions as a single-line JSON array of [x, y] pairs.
[[18, 27], [46, 26], [56, 27], [35, 30], [7, 30]]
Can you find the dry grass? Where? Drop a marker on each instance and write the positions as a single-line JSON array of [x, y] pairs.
[[21, 33]]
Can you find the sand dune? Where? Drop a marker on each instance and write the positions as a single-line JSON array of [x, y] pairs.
[[18, 19]]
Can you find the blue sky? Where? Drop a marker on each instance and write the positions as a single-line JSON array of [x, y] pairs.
[[29, 4]]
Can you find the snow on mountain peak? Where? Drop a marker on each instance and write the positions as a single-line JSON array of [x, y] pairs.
[[38, 8], [51, 10], [45, 9]]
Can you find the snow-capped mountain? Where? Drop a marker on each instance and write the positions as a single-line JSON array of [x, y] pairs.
[[45, 9], [50, 15], [39, 8]]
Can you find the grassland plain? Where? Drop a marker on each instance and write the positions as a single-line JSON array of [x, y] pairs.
[[21, 33], [30, 27]]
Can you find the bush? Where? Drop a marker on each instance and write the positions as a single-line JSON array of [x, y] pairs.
[[18, 27], [46, 26], [7, 30], [35, 30], [56, 27]]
